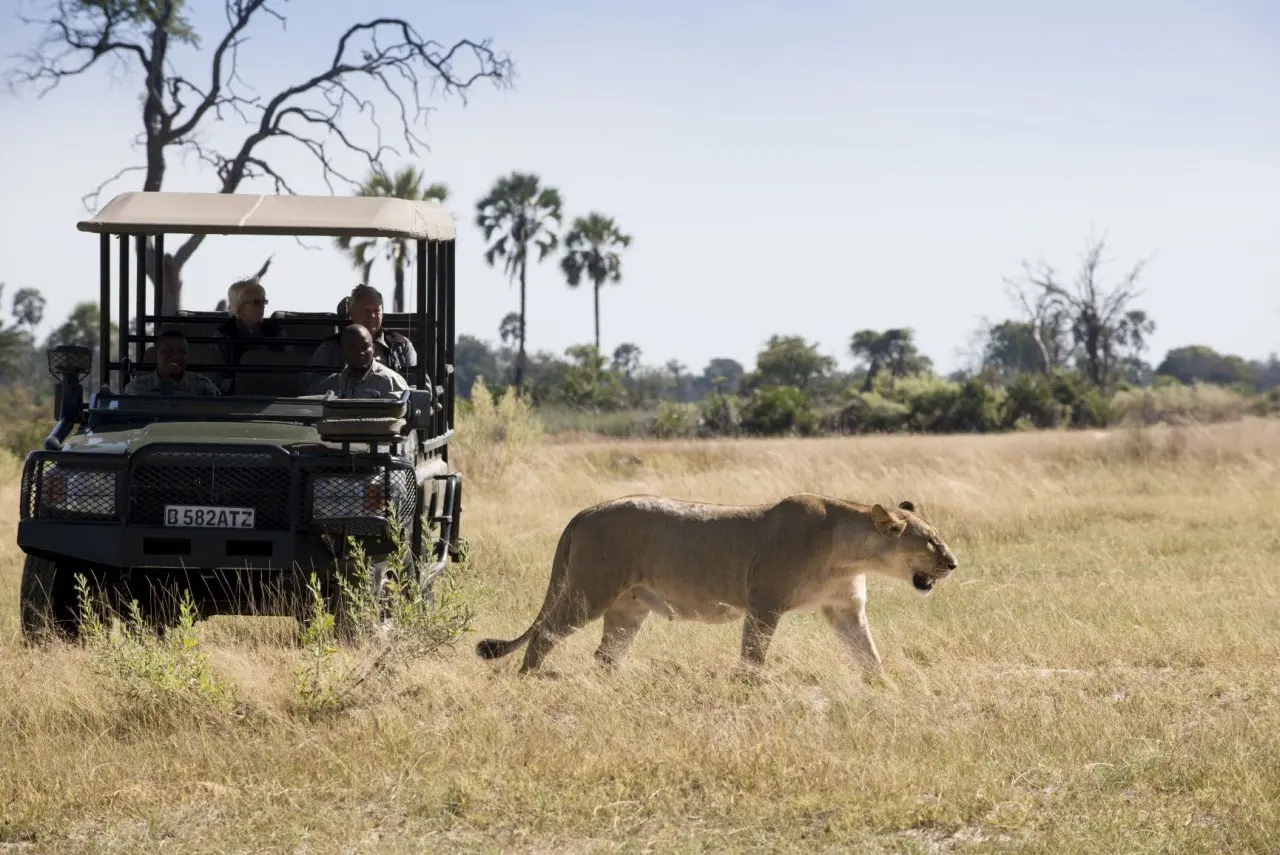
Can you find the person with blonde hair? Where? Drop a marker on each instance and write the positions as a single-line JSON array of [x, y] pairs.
[[247, 326]]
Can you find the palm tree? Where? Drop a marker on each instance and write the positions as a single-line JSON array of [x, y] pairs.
[[518, 209], [405, 184], [591, 247]]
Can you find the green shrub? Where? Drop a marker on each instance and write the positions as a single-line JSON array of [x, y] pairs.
[[385, 619], [778, 410], [977, 408], [1084, 405], [157, 679], [1268, 403], [928, 404], [721, 415], [870, 412], [1029, 403], [929, 400], [28, 420], [675, 420]]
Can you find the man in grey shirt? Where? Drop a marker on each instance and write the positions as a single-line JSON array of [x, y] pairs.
[[362, 376]]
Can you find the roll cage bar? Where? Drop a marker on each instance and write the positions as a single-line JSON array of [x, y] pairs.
[[142, 216]]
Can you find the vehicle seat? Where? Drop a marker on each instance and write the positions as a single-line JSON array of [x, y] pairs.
[[310, 329], [283, 383]]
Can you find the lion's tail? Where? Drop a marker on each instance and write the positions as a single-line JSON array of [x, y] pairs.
[[496, 648]]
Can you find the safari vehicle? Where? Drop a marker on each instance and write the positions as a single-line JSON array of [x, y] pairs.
[[239, 498]]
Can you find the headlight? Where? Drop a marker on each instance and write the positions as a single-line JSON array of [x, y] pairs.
[[348, 496], [70, 491]]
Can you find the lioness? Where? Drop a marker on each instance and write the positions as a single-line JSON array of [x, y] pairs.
[[624, 558]]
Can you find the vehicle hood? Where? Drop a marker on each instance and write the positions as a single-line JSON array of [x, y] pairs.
[[129, 440]]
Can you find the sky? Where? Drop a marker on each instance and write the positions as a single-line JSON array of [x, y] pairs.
[[808, 168]]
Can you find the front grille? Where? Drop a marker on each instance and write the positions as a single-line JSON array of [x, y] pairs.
[[65, 491], [255, 480]]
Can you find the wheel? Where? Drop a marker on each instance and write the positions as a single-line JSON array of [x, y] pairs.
[[47, 600]]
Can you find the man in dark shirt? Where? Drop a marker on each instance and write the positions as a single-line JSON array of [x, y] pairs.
[[390, 348]]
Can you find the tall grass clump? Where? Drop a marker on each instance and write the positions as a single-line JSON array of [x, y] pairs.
[[1174, 403], [495, 438]]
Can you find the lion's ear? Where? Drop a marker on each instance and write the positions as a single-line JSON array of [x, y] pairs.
[[907, 505], [887, 523]]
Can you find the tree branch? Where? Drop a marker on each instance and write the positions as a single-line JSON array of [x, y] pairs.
[[386, 54], [404, 59], [66, 38], [239, 13], [91, 199]]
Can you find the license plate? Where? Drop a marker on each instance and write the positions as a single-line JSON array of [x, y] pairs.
[[191, 516]]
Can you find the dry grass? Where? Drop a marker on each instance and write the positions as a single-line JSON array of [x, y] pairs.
[[1102, 674]]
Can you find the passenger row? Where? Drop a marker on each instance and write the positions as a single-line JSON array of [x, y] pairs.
[[361, 359]]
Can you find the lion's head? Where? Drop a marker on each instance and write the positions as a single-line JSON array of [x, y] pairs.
[[922, 554]]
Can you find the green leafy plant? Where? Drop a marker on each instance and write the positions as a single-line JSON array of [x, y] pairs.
[[384, 619], [157, 676]]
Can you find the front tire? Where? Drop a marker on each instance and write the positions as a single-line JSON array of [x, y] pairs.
[[47, 601]]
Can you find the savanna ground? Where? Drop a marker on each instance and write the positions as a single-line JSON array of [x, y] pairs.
[[1100, 675]]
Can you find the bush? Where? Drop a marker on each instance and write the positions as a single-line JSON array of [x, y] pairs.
[[584, 389], [778, 410], [1268, 403], [387, 618], [158, 679], [28, 420], [676, 420], [927, 404], [928, 399], [870, 412], [721, 415], [977, 408], [1029, 402], [1083, 405]]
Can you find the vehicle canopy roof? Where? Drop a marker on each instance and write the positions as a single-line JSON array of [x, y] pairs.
[[141, 212]]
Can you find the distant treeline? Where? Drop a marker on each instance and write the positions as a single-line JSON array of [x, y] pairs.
[[794, 388]]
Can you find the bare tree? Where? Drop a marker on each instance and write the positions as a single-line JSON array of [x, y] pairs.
[[1099, 319], [381, 56], [1046, 318]]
